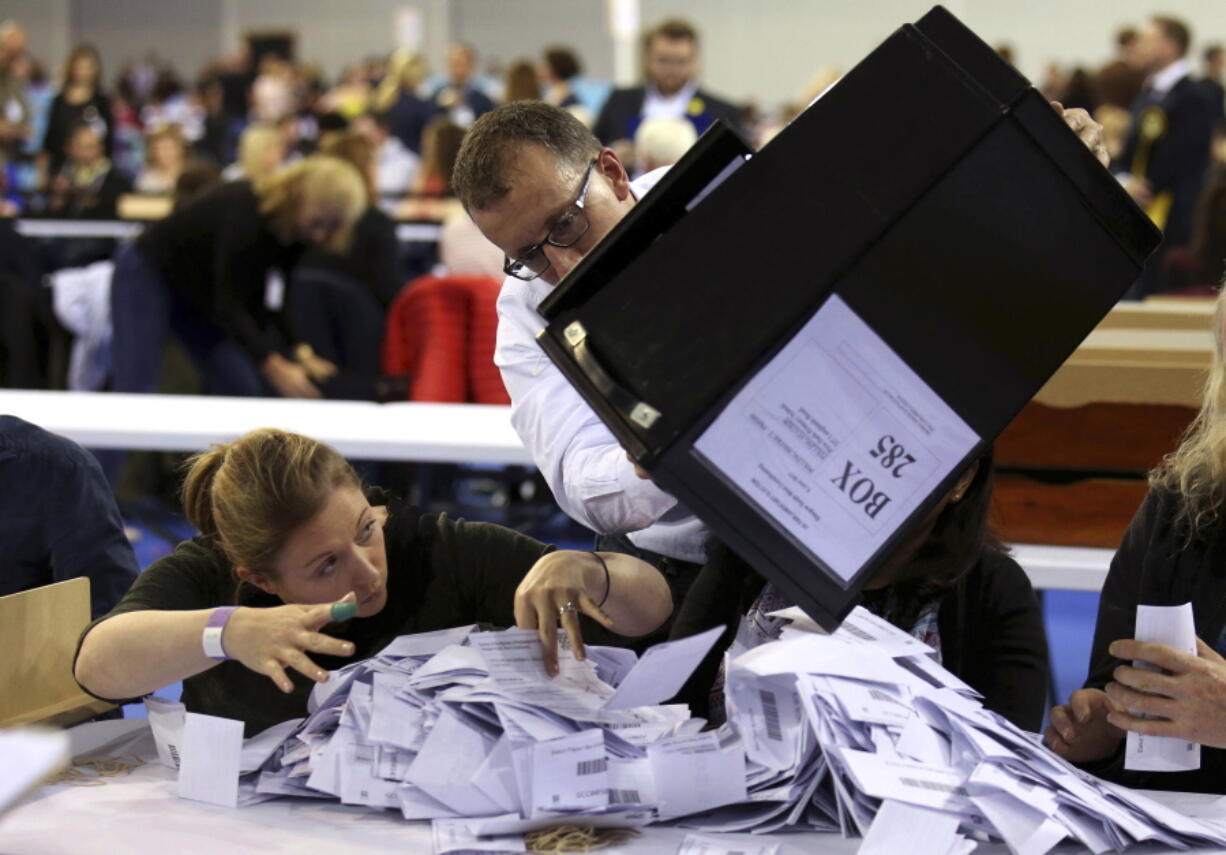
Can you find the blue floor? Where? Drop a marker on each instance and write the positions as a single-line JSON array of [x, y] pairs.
[[1070, 631]]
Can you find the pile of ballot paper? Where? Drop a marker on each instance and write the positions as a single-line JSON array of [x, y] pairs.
[[462, 724], [859, 732]]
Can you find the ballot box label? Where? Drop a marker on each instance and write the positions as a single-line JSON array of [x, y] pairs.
[[836, 441]]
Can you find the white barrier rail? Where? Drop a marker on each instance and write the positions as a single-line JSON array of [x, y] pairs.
[[1068, 568], [453, 433], [123, 229]]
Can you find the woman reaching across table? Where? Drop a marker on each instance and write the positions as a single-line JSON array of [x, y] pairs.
[[297, 570]]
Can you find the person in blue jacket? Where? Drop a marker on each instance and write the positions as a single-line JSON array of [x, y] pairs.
[[58, 518]]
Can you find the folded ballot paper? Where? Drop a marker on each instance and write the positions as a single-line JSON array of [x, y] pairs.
[[859, 732], [1175, 627]]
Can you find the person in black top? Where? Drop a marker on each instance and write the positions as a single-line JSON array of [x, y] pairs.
[[1213, 60], [58, 518], [952, 585], [27, 318], [1167, 153], [1174, 552], [80, 101], [671, 91], [557, 68], [463, 102], [202, 274], [373, 258], [337, 302], [87, 185], [407, 112], [291, 546]]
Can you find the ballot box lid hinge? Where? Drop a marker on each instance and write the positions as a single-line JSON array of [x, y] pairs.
[[637, 411]]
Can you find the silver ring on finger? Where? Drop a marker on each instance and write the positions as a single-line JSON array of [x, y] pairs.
[[567, 608]]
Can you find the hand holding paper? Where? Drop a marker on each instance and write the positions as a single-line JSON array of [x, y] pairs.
[[1191, 697], [620, 592], [559, 587], [1166, 639]]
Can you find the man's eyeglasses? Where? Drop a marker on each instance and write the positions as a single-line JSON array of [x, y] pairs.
[[565, 231]]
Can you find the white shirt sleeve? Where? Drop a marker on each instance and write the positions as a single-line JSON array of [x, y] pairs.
[[591, 478]]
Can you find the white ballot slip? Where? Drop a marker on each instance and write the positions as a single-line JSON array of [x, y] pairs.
[[1175, 627], [209, 759], [459, 837], [901, 827], [569, 773], [695, 773], [837, 440], [166, 722], [695, 844], [662, 671], [29, 756]]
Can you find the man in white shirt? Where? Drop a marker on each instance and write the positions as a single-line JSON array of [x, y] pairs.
[[542, 189]]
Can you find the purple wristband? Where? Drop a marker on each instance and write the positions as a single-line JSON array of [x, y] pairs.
[[211, 639]]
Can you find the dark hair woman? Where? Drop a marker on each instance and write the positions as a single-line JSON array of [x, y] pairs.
[[80, 101], [952, 585]]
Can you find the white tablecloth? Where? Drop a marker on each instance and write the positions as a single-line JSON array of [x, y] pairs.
[[141, 813]]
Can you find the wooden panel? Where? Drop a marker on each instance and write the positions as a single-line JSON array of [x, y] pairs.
[[1101, 437], [1146, 346], [1193, 313], [1084, 381], [1085, 513], [38, 634], [139, 206]]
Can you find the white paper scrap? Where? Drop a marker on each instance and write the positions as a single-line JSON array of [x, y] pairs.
[[902, 827], [458, 837], [166, 722], [662, 671], [29, 755], [209, 759], [570, 773], [695, 844], [695, 773]]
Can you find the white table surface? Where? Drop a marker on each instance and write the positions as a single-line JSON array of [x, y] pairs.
[[457, 433], [140, 813]]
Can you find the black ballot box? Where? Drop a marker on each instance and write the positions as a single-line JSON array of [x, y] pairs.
[[808, 346]]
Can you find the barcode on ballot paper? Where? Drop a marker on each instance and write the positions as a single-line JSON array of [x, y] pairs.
[[624, 797], [878, 695], [857, 632], [592, 767], [770, 712], [933, 785]]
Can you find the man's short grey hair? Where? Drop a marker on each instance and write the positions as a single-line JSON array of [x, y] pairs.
[[487, 156]]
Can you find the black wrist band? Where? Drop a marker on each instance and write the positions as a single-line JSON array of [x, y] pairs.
[[608, 583]]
